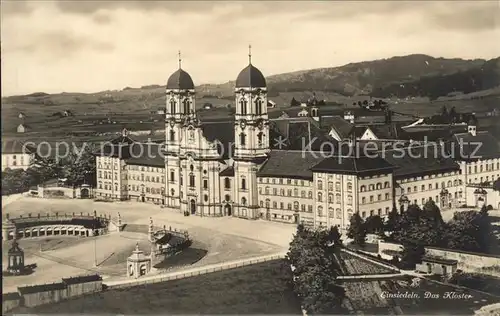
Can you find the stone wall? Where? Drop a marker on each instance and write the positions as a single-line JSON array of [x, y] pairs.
[[467, 261]]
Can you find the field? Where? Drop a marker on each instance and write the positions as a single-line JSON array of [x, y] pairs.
[[369, 297], [255, 289]]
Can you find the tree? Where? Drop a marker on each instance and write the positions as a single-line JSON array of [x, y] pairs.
[[334, 236], [78, 165], [357, 230], [412, 254], [496, 185], [374, 224], [392, 222], [294, 102]]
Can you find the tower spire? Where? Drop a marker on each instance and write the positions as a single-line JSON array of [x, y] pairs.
[[250, 54], [180, 60]]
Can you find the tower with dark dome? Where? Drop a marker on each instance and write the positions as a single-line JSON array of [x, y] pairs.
[[180, 109], [251, 137]]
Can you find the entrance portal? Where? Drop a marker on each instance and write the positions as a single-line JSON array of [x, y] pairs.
[[296, 218], [227, 210], [143, 199], [84, 193], [193, 206]]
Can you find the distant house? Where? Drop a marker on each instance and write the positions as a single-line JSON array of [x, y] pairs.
[[160, 111], [208, 106], [67, 113], [16, 155], [23, 128], [21, 115], [271, 104]]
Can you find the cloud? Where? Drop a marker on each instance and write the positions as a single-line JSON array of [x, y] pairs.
[[98, 45]]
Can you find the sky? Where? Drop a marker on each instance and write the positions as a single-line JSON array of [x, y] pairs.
[[90, 46]]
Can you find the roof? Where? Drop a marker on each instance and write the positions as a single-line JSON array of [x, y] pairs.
[[342, 127], [353, 165], [145, 154], [388, 131], [465, 146], [15, 249], [41, 288], [82, 279], [21, 223], [122, 139], [250, 77], [223, 133], [228, 172], [439, 260], [15, 147], [11, 296], [298, 134], [290, 164], [419, 161], [180, 80]]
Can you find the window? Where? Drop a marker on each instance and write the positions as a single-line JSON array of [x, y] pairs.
[[338, 213], [320, 197], [243, 201], [310, 194], [191, 180], [320, 211], [338, 198], [303, 194], [227, 183], [379, 186], [310, 208], [330, 198], [266, 190], [172, 175], [386, 184], [172, 135], [205, 184], [185, 103], [258, 106], [296, 206], [268, 203], [296, 192], [363, 200], [331, 213], [349, 200], [282, 192], [243, 106], [320, 185], [275, 191], [243, 183], [371, 187], [330, 186], [349, 187], [363, 188], [289, 206], [337, 186], [172, 106], [387, 196], [227, 197], [379, 197], [242, 139], [275, 204]]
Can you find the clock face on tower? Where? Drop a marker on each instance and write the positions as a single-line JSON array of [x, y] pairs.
[[243, 124]]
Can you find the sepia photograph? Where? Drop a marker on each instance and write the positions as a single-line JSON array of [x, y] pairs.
[[250, 157]]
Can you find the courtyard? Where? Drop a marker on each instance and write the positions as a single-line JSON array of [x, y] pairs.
[[215, 240]]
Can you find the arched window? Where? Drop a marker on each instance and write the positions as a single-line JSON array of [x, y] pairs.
[[320, 211], [320, 197], [186, 104], [266, 190], [268, 203], [330, 186], [205, 197], [320, 185], [449, 183], [191, 180], [338, 212], [330, 212], [295, 192], [349, 186], [371, 187], [302, 194], [242, 139], [349, 200], [386, 184], [172, 106], [243, 183], [100, 185], [310, 195], [243, 201], [379, 186], [363, 188], [363, 200], [260, 139], [172, 192], [330, 198], [337, 198], [296, 206], [227, 183], [243, 106], [227, 197], [258, 106]]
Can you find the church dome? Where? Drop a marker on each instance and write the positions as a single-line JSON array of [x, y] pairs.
[[180, 80], [250, 77]]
